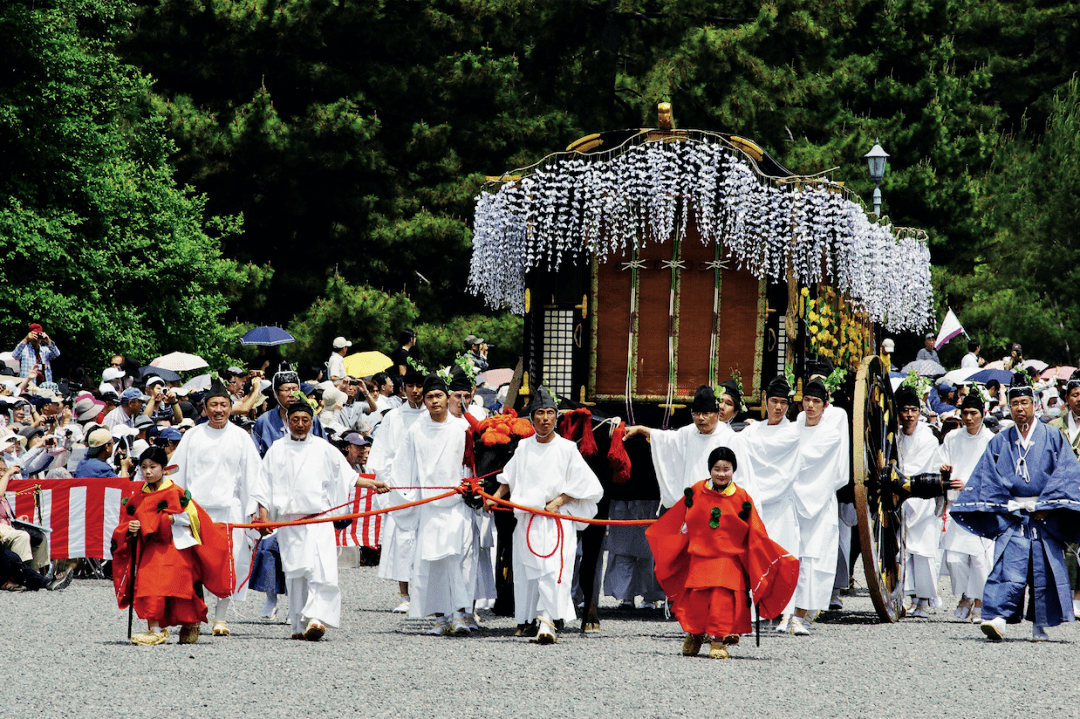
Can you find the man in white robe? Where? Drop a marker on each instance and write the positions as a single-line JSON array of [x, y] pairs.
[[679, 454], [918, 454], [546, 472], [398, 543], [308, 476], [968, 556], [476, 562], [219, 464], [771, 451], [432, 457], [824, 468]]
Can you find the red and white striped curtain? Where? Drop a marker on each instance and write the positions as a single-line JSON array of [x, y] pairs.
[[363, 532], [82, 513]]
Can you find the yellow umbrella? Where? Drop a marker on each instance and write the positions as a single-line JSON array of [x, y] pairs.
[[365, 364]]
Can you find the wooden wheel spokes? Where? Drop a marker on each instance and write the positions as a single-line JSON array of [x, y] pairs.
[[874, 458]]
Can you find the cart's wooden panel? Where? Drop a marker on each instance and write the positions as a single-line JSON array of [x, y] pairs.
[[696, 295]]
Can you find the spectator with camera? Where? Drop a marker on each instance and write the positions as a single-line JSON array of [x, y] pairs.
[[477, 351], [35, 354], [245, 389], [99, 446], [132, 401], [162, 399]]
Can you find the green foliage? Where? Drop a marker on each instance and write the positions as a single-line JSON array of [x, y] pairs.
[[1023, 286], [372, 318], [100, 244], [503, 332]]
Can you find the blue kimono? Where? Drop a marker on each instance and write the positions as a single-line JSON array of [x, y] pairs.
[[270, 427], [1006, 488]]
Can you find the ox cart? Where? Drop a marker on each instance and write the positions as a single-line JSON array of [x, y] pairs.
[[647, 262]]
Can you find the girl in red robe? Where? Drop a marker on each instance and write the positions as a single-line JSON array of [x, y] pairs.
[[178, 548], [713, 554]]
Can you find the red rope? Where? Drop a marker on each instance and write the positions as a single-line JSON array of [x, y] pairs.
[[558, 545]]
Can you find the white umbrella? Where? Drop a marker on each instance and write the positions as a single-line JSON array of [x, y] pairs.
[[957, 376], [180, 362], [9, 359], [200, 382], [1037, 365]]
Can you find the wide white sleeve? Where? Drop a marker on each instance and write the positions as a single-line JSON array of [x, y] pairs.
[[254, 484], [340, 483], [667, 447], [582, 484]]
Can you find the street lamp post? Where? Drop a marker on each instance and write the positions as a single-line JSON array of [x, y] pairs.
[[876, 159]]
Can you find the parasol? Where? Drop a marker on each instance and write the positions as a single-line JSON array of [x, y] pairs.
[[365, 364], [180, 362], [266, 337]]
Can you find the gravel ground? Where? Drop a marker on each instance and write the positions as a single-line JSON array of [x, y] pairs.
[[73, 660]]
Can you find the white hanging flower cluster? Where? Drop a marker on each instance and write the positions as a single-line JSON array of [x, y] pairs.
[[597, 205]]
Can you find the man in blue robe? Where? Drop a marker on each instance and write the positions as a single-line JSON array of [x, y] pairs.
[[1025, 495]]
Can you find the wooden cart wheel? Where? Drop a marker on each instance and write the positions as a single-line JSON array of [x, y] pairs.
[[874, 457]]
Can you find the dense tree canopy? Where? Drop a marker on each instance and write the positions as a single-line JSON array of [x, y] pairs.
[[352, 136], [99, 242]]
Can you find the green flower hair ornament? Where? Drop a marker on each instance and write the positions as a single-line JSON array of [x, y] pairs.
[[737, 377], [789, 375], [417, 366], [467, 367], [835, 380], [919, 385], [444, 374]]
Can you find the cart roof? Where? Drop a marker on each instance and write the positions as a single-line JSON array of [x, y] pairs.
[[627, 188]]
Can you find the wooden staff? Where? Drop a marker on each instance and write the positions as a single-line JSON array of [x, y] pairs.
[[131, 579]]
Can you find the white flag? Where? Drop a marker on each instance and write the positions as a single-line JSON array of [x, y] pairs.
[[950, 327]]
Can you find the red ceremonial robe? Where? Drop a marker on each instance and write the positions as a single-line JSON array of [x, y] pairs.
[[167, 579], [712, 556]]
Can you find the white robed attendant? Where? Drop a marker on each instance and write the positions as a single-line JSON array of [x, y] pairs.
[[309, 476], [432, 458], [547, 472], [397, 536], [679, 454], [220, 465], [824, 468], [772, 451], [968, 556], [918, 454]]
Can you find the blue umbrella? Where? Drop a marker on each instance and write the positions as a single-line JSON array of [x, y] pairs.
[[983, 376], [266, 337]]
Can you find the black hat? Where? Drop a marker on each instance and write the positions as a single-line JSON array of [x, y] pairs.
[[459, 381], [906, 397], [722, 453], [434, 382], [972, 400], [778, 387], [731, 387], [816, 388], [286, 377], [413, 376], [705, 400], [542, 400], [154, 454], [301, 406], [1074, 381], [1020, 386], [217, 390]]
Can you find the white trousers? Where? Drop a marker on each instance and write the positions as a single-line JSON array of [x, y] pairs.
[[438, 587], [313, 600], [968, 573], [816, 575], [920, 578]]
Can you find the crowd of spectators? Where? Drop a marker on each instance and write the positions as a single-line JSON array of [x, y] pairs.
[[94, 423]]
